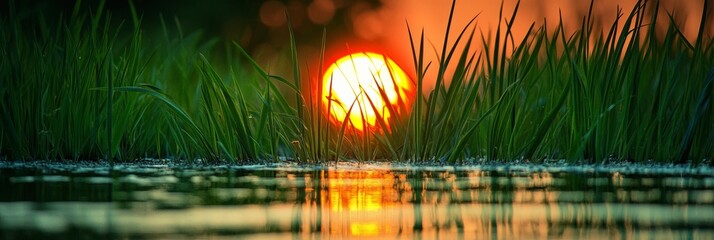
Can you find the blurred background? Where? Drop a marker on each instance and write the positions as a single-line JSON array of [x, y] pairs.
[[357, 25]]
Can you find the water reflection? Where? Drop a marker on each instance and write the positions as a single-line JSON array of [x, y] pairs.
[[356, 202], [359, 199]]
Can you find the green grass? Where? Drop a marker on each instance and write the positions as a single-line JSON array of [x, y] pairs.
[[89, 86]]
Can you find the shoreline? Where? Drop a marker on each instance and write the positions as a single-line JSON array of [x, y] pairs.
[[627, 168]]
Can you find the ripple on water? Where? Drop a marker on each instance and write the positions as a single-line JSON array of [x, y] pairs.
[[347, 199]]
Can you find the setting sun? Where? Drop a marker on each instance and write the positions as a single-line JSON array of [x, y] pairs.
[[368, 83]]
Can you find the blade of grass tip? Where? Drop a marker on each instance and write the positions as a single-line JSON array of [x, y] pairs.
[[700, 34], [98, 16], [134, 16], [588, 28], [532, 59], [448, 56], [496, 47], [296, 74], [653, 26], [75, 10], [509, 33], [705, 99], [416, 113], [443, 62]]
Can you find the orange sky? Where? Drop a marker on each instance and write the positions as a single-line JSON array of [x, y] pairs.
[[382, 27], [386, 24]]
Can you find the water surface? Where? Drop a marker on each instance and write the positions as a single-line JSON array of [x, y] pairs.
[[358, 201]]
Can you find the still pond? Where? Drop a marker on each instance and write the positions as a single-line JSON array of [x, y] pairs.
[[159, 200]]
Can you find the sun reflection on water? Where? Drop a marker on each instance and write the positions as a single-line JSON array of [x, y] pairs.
[[373, 203], [359, 201], [384, 204]]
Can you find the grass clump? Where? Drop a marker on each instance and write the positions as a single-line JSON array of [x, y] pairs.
[[88, 86], [69, 92], [621, 94]]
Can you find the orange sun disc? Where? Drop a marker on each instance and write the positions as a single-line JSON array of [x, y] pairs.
[[364, 87]]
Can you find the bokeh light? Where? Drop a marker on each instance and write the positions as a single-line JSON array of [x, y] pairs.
[[321, 11], [272, 13]]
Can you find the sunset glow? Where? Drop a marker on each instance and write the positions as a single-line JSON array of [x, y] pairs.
[[369, 83]]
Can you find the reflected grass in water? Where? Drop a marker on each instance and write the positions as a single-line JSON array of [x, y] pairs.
[[365, 201]]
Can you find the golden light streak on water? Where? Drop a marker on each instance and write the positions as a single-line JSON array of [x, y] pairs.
[[372, 203]]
